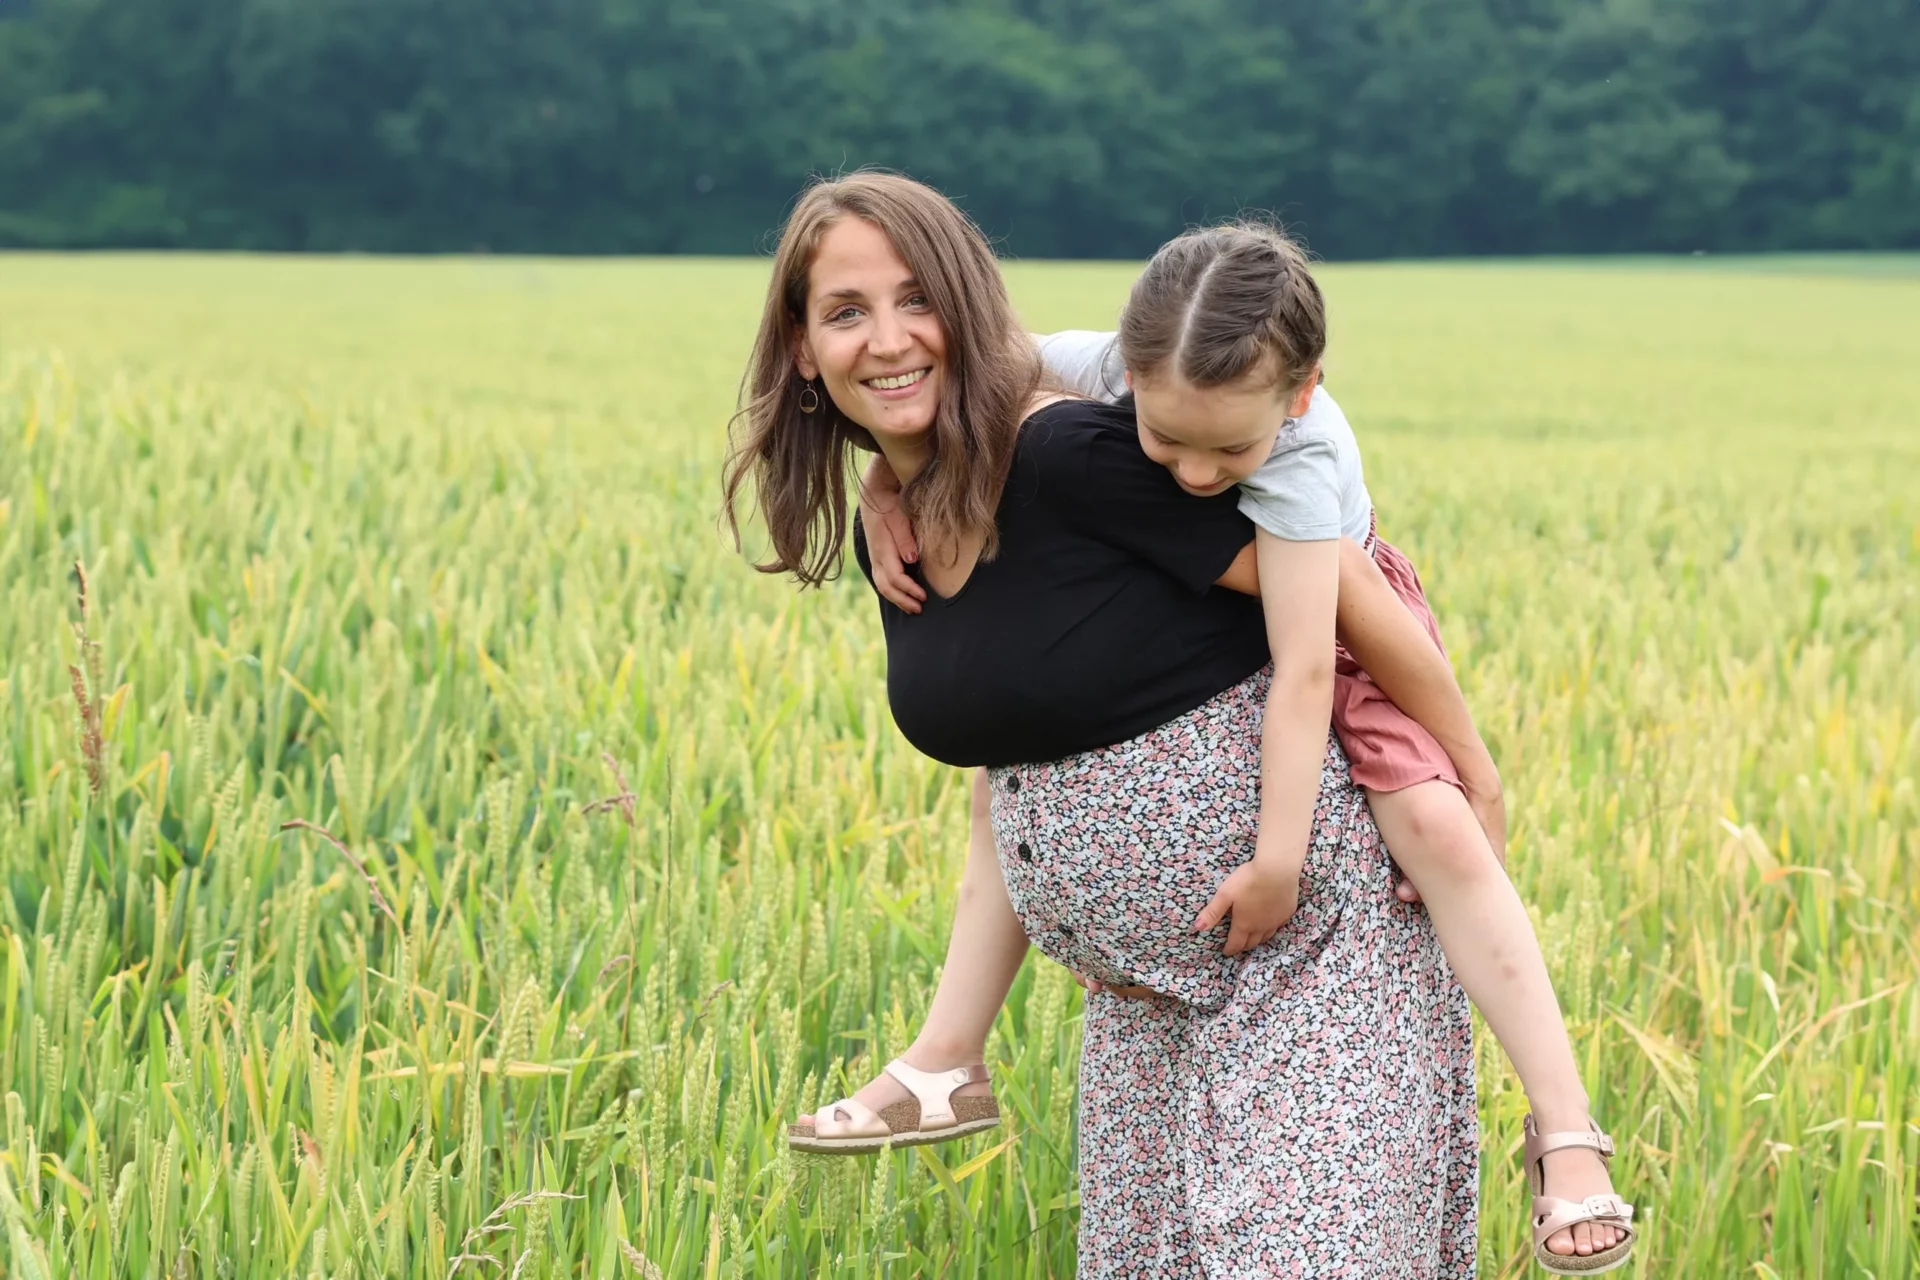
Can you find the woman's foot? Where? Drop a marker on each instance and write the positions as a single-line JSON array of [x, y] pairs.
[[884, 1091]]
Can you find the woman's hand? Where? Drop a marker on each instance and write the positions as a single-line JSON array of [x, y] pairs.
[[1261, 895], [890, 542], [1095, 987]]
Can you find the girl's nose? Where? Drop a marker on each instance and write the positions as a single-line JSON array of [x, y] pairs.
[[1198, 478]]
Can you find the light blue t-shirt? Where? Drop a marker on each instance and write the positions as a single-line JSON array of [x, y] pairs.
[[1309, 489]]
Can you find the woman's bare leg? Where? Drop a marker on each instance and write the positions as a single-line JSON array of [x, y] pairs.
[[983, 956]]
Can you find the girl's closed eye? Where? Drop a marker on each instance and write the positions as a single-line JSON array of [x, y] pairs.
[[1233, 452]]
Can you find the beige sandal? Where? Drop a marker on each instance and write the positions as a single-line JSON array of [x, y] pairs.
[[932, 1114], [1551, 1214]]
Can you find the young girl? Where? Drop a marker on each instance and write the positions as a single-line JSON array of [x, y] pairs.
[[1221, 346]]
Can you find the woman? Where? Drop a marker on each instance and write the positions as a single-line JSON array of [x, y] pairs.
[[1299, 1109]]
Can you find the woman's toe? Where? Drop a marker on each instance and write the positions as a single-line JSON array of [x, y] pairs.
[[1583, 1239], [1560, 1242]]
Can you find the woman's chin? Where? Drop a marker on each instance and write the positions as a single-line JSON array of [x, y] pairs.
[[913, 423]]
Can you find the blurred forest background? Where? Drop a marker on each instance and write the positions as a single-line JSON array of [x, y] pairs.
[[1069, 128]]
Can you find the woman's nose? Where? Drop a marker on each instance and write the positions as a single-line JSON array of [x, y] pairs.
[[890, 337]]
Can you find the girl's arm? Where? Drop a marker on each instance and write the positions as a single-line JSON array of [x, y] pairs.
[[1243, 575], [1299, 585], [1389, 642], [889, 535]]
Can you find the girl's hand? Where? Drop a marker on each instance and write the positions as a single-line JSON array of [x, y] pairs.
[[1489, 804], [1261, 895], [890, 542]]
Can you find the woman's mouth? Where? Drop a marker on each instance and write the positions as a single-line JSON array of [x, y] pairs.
[[896, 386]]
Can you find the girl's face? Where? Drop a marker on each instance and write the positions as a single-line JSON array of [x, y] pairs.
[[1212, 438], [871, 334]]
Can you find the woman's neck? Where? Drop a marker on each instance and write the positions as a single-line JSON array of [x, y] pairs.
[[908, 458]]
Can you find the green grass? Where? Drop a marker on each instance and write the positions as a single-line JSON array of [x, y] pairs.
[[411, 550]]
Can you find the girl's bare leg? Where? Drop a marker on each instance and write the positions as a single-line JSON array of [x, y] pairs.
[[1483, 928], [984, 954]]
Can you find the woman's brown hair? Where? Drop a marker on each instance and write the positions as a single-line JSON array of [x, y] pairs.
[[799, 461], [1221, 303]]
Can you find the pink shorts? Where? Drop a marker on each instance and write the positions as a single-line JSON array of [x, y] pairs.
[[1389, 752]]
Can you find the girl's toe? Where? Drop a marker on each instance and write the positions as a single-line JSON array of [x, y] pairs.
[[1560, 1242]]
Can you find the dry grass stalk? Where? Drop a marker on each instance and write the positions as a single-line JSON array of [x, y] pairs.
[[624, 800], [373, 886], [711, 996], [86, 693]]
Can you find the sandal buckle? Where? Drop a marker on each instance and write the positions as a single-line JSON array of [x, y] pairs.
[[960, 1075]]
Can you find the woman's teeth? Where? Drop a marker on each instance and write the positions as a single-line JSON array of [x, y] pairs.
[[898, 381]]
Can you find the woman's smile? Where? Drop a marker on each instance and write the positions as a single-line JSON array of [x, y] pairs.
[[897, 386]]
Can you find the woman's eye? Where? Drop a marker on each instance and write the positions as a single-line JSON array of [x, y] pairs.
[[844, 313], [918, 300]]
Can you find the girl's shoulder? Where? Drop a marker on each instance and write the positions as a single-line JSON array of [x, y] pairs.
[[1324, 420]]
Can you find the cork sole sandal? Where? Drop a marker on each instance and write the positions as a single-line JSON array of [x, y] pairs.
[[932, 1114], [1551, 1214]]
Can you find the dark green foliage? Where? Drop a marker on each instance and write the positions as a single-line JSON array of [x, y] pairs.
[[1068, 127]]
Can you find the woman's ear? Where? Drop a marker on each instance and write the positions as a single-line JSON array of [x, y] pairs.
[[803, 357]]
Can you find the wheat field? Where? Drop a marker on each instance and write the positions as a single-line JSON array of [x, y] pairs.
[[435, 852]]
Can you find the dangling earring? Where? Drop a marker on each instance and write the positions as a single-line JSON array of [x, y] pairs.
[[809, 399]]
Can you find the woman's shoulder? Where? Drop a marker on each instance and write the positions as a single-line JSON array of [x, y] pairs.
[[1068, 430]]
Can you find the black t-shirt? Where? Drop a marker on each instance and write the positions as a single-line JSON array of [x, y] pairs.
[[1095, 622]]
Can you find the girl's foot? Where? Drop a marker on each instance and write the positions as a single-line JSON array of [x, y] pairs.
[[1567, 1162], [1574, 1174]]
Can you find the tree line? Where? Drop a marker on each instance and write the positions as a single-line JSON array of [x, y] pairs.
[[1068, 128]]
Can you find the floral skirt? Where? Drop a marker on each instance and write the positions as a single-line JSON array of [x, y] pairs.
[[1303, 1110]]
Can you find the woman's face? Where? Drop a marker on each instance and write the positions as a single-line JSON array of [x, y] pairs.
[[871, 335], [1212, 438]]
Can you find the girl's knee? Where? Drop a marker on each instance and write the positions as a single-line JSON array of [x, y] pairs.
[[1430, 829]]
